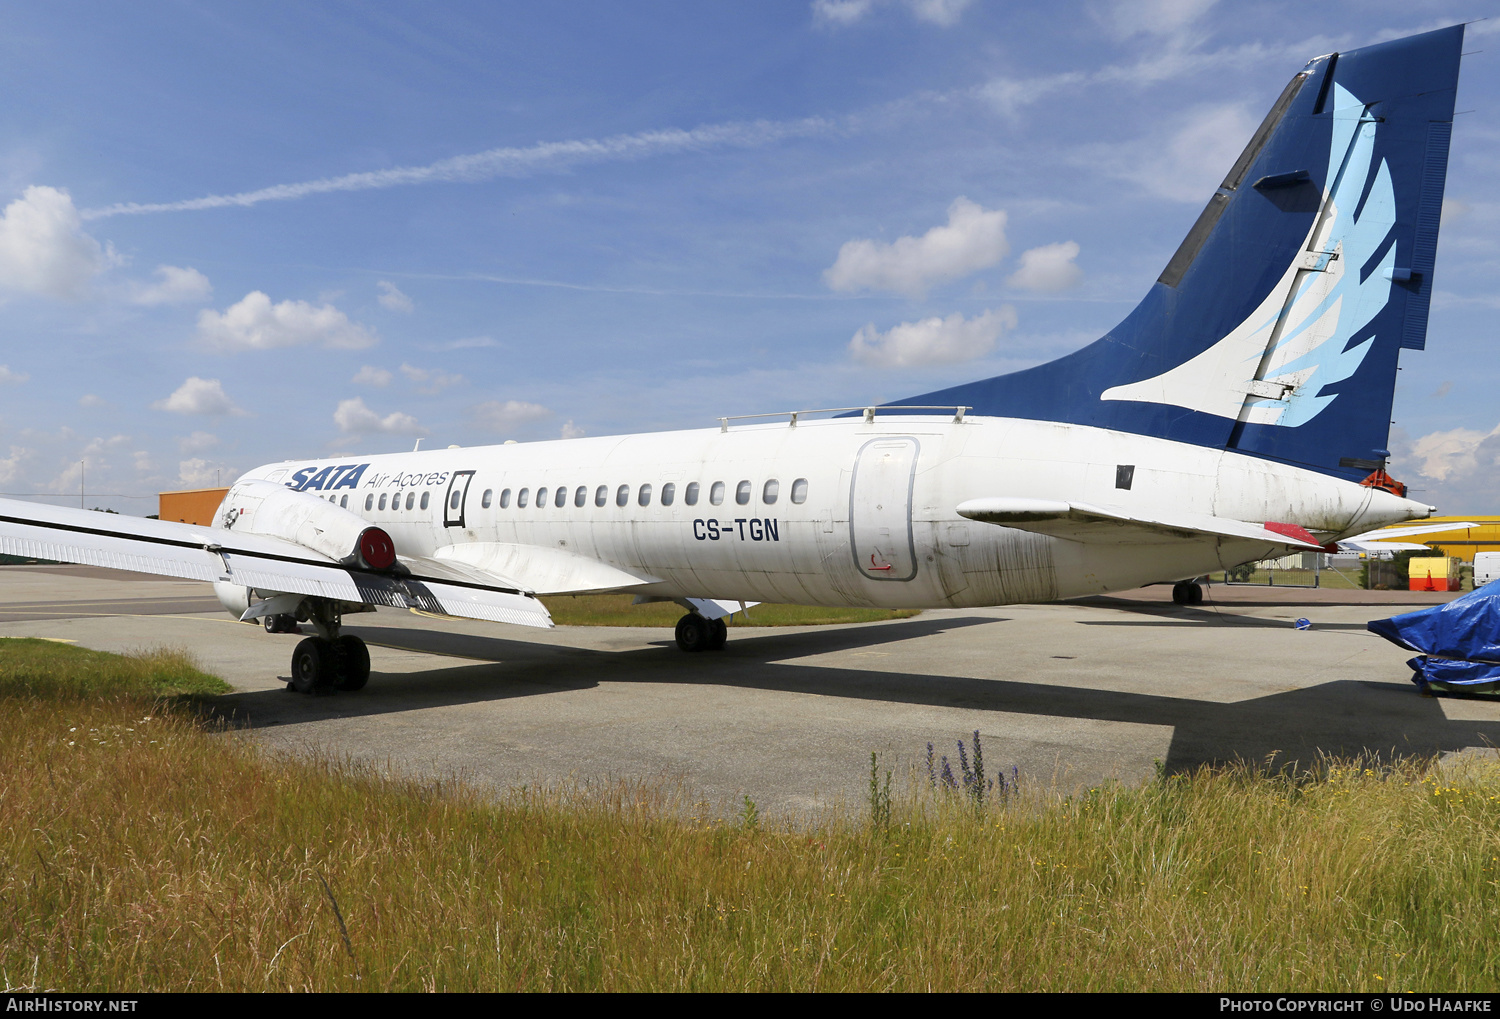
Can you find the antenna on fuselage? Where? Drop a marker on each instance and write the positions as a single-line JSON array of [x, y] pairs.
[[417, 446]]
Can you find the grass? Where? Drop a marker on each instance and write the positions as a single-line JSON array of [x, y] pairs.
[[617, 610], [143, 852]]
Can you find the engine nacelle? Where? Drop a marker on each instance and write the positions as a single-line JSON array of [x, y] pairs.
[[264, 507]]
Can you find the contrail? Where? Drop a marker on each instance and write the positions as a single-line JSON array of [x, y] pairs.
[[503, 162]]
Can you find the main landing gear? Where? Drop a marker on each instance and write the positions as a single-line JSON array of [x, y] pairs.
[[320, 666], [328, 662], [695, 633], [1187, 592]]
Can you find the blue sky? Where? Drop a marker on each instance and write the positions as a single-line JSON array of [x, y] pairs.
[[235, 233]]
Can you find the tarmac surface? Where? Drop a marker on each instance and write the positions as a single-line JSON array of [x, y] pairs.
[[1072, 694]]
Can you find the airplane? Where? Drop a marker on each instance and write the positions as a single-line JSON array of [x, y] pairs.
[[1241, 411]]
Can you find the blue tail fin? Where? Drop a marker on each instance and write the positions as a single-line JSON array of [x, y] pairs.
[[1275, 328]]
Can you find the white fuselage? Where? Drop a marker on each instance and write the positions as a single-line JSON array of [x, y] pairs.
[[861, 512]]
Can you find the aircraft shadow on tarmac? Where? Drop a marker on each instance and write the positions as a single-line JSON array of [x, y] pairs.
[[1341, 718]]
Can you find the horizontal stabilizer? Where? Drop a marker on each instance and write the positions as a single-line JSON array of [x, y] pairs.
[[1082, 522], [1381, 534], [255, 561]]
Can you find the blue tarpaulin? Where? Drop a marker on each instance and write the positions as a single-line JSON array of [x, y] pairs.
[[1457, 644]]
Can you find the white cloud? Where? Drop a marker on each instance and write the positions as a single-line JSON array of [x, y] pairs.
[[430, 381], [497, 416], [1188, 164], [1155, 17], [256, 324], [354, 418], [847, 12], [42, 248], [571, 431], [369, 375], [932, 340], [468, 343], [1458, 470], [1445, 455], [1048, 269], [393, 299], [200, 473], [841, 12], [12, 377], [10, 467], [90, 400], [542, 157], [199, 396], [173, 286], [197, 442], [973, 239]]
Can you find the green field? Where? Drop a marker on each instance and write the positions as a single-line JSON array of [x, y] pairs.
[[617, 610], [147, 849]]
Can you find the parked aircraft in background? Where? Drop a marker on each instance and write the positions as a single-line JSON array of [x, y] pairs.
[[1240, 411]]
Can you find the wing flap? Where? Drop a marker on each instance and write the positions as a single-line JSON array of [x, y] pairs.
[[540, 569], [1107, 525]]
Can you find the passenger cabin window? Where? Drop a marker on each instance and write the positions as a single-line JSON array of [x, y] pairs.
[[668, 493], [581, 495], [601, 495], [716, 494], [562, 497], [521, 498], [799, 491], [541, 498], [485, 501], [742, 493], [505, 498], [369, 503], [424, 500], [691, 495], [769, 493], [382, 500], [344, 502], [622, 495], [644, 498], [411, 497]]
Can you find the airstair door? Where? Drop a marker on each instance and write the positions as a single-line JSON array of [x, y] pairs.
[[880, 498]]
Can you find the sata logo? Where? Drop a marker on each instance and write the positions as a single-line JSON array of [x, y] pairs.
[[310, 479]]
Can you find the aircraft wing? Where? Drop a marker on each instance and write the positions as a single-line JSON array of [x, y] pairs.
[[1083, 522], [256, 561]]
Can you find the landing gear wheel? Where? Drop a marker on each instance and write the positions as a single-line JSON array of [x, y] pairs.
[[280, 623], [694, 633], [719, 634], [314, 664], [354, 670], [1187, 592]]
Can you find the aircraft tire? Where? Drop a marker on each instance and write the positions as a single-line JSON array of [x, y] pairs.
[[313, 666], [280, 623], [719, 635], [694, 633], [1195, 593], [1180, 593], [355, 665]]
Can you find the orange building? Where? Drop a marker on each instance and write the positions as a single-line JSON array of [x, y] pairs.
[[193, 506]]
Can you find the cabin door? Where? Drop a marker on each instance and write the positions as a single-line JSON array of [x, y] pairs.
[[880, 496], [458, 493]]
